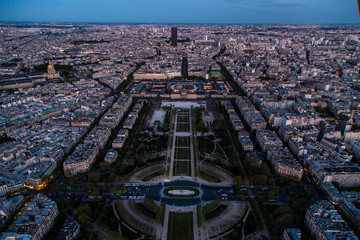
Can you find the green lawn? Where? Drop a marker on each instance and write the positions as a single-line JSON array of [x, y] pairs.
[[217, 211], [183, 127], [183, 119], [180, 226], [182, 142], [183, 123], [182, 168], [182, 154]]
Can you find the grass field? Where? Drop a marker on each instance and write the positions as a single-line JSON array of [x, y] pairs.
[[182, 168], [183, 123], [180, 226], [183, 118], [182, 142], [183, 127], [182, 154]]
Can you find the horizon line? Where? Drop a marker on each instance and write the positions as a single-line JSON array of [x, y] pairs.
[[178, 23]]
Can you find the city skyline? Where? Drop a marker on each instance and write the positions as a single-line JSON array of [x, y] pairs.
[[191, 132], [184, 12]]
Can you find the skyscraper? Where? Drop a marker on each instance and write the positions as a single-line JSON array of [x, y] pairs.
[[174, 36]]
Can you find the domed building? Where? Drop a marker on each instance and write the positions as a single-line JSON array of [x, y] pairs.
[[51, 72]]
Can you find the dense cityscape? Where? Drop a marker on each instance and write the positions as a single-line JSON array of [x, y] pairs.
[[154, 131]]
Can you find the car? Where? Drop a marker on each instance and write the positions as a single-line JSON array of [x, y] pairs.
[[167, 180]]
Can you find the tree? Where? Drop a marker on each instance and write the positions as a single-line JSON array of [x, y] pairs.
[[64, 200], [122, 170], [94, 177], [284, 221], [83, 218], [265, 169], [94, 236], [82, 209], [251, 162], [104, 165], [258, 180], [271, 181], [95, 192], [238, 182], [271, 195], [112, 177]]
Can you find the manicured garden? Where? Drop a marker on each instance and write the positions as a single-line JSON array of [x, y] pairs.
[[182, 154], [182, 168], [183, 123], [182, 142], [180, 226]]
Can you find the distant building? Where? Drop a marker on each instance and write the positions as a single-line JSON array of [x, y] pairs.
[[10, 206], [291, 234], [174, 36], [325, 222], [51, 72], [35, 220], [267, 139], [356, 149], [334, 195], [120, 139], [9, 186], [149, 74], [21, 80], [70, 230], [246, 143], [347, 174], [284, 163], [351, 212], [111, 156]]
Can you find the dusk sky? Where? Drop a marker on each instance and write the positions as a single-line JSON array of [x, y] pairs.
[[183, 11]]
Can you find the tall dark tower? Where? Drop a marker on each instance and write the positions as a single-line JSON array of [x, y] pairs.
[[174, 36], [184, 68], [359, 7]]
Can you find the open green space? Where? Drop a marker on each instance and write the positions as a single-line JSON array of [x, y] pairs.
[[182, 142], [182, 168], [211, 206], [4, 138], [146, 210], [183, 118], [250, 224], [152, 207], [183, 127], [183, 123], [182, 154], [180, 226], [217, 211], [206, 145], [208, 177]]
